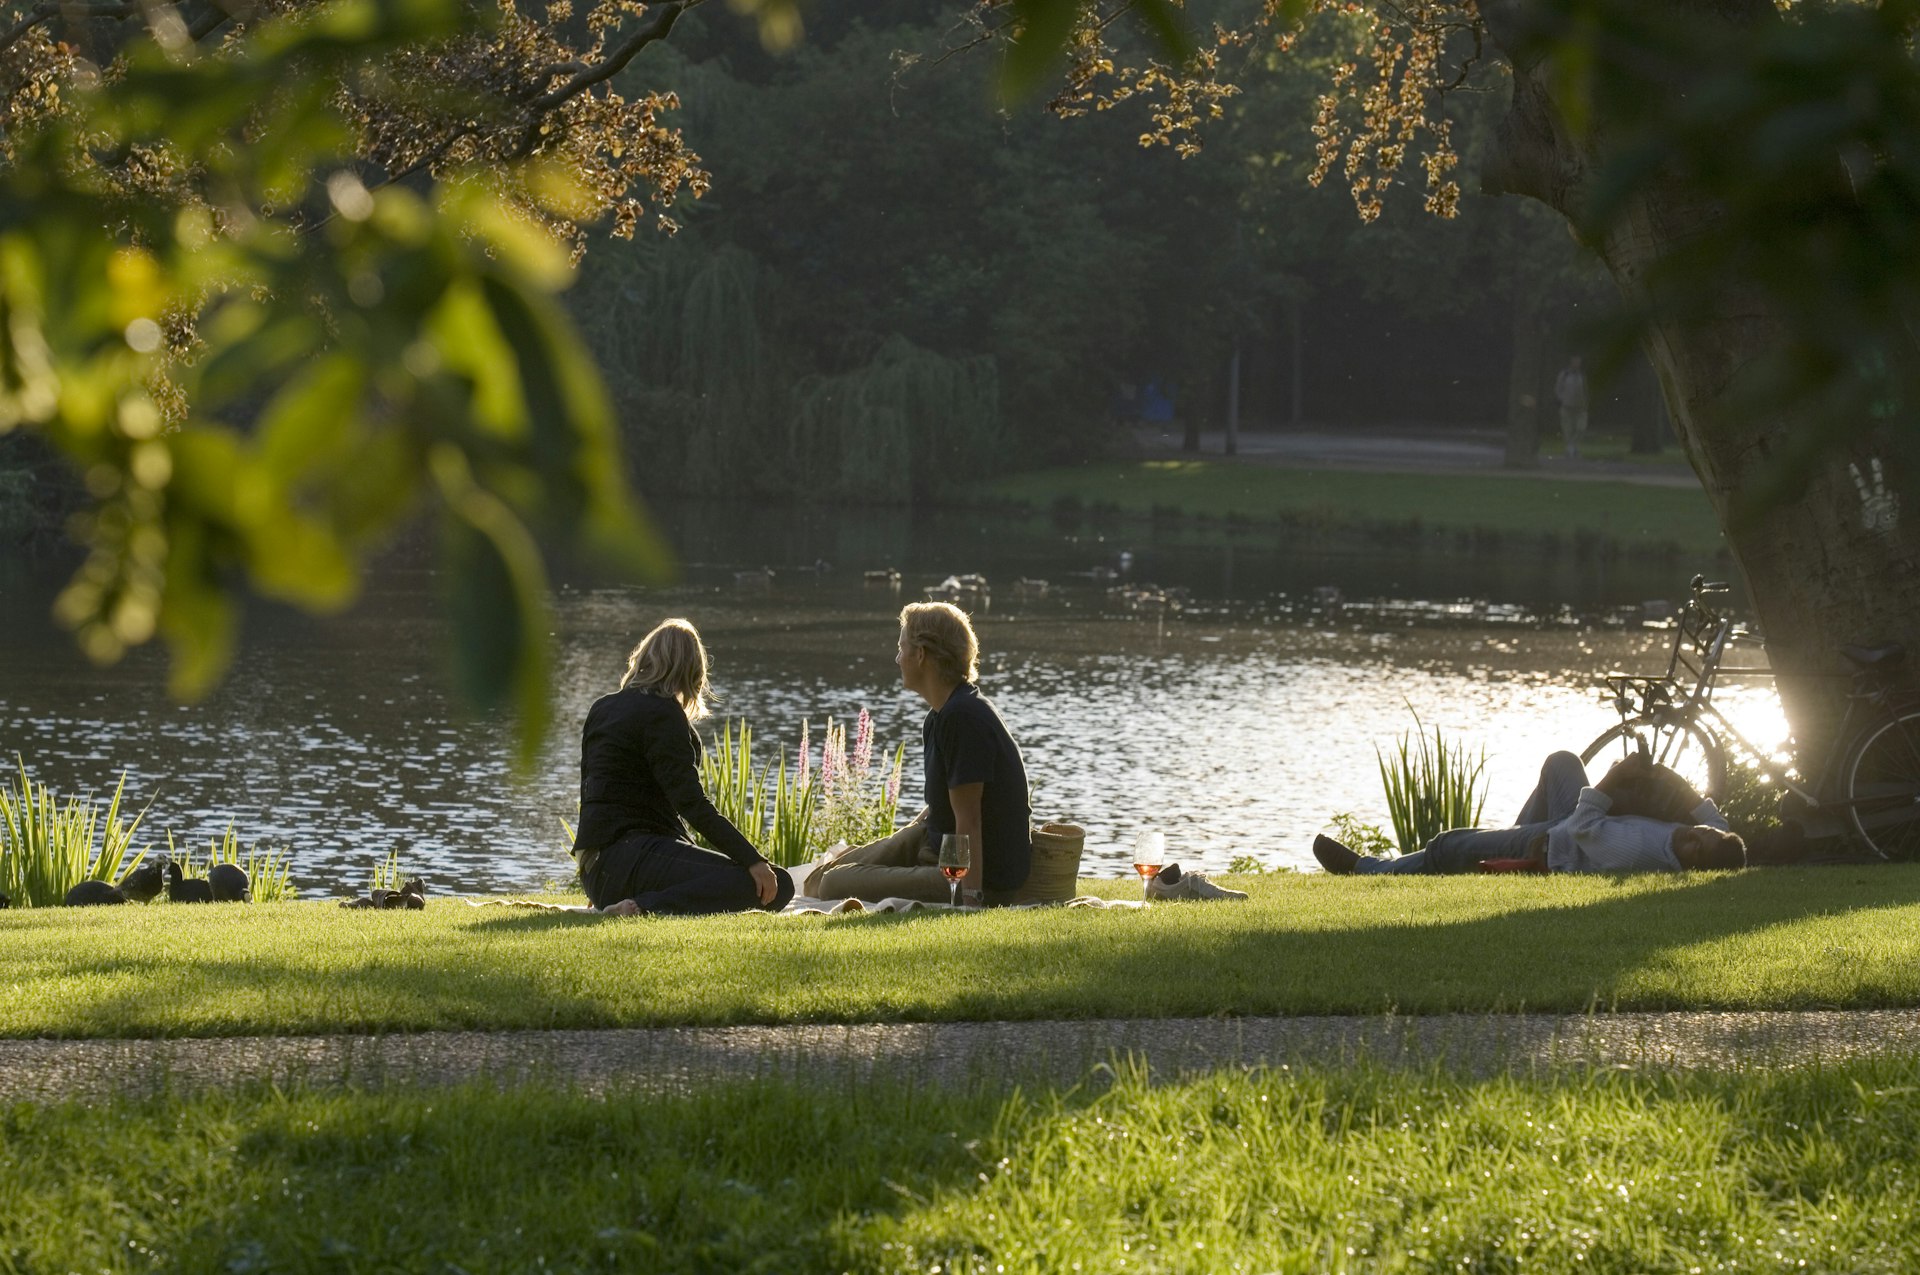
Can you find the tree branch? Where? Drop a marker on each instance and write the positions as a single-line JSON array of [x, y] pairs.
[[660, 20], [46, 11]]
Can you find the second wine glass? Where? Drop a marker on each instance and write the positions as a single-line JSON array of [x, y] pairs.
[[956, 856]]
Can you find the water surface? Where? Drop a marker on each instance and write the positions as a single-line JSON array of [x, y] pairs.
[[1237, 725]]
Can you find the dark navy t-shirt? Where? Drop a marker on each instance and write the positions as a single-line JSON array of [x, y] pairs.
[[965, 742]]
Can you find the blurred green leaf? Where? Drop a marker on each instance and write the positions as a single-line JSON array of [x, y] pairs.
[[311, 416], [497, 600], [464, 331], [1039, 47]]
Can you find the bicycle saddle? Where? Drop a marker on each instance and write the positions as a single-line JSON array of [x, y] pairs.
[[1876, 657]]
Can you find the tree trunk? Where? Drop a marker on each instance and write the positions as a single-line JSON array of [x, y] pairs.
[[1832, 565], [1524, 376], [1649, 412]]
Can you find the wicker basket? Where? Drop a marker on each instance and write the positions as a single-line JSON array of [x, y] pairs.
[[1056, 864]]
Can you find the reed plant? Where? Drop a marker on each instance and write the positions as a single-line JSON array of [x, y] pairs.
[[792, 814], [1432, 784], [269, 870], [49, 845], [790, 837], [387, 874], [737, 791]]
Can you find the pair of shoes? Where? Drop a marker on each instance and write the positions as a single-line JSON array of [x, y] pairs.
[[1333, 856], [1171, 884]]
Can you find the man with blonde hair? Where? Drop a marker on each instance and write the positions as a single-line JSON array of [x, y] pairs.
[[976, 781]]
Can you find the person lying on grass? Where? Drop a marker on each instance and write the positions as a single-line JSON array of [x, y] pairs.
[[639, 778], [1641, 817], [976, 782]]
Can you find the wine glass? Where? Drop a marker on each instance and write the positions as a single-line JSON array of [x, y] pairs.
[[1149, 855], [956, 856]]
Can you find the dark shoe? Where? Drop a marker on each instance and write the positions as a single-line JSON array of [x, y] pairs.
[[1333, 856]]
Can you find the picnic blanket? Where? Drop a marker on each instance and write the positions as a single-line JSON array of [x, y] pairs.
[[803, 906]]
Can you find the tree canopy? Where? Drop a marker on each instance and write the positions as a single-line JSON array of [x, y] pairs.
[[273, 275]]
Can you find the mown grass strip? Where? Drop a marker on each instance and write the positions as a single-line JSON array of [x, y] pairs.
[[1784, 938], [1636, 516], [1270, 1170]]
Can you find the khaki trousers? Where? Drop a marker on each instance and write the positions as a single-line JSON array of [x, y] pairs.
[[898, 866]]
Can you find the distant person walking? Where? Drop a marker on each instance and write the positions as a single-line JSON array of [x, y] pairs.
[[1570, 389]]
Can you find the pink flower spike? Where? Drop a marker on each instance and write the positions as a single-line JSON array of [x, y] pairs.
[[863, 745], [806, 754]]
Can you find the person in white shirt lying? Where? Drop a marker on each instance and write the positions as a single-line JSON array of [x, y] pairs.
[[1640, 817]]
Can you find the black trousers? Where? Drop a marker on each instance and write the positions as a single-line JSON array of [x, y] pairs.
[[672, 877]]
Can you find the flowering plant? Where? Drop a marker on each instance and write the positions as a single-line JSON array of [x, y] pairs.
[[793, 815]]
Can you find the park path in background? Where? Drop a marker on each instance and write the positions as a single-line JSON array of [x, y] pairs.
[[1401, 452], [1051, 1052]]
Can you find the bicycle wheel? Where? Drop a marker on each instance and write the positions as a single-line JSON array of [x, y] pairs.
[[1883, 786], [1684, 747]]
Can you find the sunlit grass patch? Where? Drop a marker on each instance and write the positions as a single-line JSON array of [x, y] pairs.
[[1303, 944], [1632, 515], [1269, 1170]]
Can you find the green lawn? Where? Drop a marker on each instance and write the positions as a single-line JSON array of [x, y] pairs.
[[1635, 516], [1289, 1170], [1304, 944]]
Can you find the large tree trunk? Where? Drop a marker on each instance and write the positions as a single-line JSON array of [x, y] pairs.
[[1831, 565]]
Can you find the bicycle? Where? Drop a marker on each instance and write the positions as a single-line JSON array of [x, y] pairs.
[[1870, 776]]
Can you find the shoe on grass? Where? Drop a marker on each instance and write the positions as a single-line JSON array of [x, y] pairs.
[[1172, 885], [1333, 856]]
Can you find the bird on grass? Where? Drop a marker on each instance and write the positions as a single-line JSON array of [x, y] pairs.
[[144, 883], [412, 896], [93, 893], [230, 883], [184, 889]]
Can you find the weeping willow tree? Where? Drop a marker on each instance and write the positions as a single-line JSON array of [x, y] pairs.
[[709, 403], [898, 426], [679, 334]]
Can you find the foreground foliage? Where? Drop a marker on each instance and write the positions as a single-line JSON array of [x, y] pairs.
[[266, 368], [1303, 944], [1270, 1170]]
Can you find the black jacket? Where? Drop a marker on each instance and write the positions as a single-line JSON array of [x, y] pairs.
[[639, 774]]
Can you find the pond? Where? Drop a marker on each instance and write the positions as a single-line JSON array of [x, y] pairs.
[[1236, 725]]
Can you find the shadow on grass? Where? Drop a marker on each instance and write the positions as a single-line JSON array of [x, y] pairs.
[[1780, 939], [1569, 957]]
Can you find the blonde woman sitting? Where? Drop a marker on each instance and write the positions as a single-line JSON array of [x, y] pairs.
[[640, 788]]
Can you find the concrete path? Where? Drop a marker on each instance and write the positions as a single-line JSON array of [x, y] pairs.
[[1407, 450], [946, 1053]]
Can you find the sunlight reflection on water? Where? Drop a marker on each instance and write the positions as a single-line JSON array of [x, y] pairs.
[[1233, 732]]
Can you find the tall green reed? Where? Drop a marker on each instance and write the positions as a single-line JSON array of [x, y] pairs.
[[48, 846], [791, 814], [268, 870], [1431, 784]]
